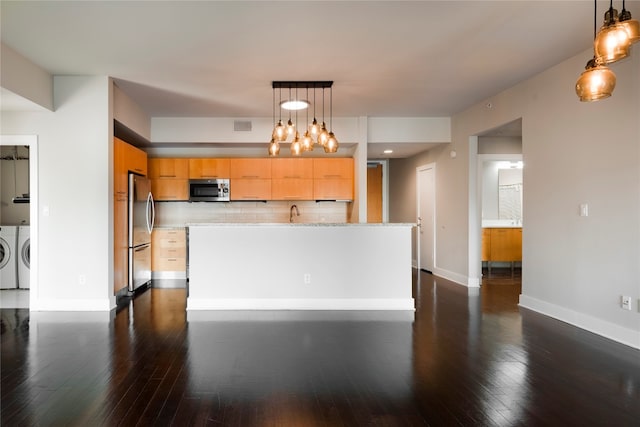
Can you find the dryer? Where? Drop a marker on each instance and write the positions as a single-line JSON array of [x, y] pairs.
[[23, 252], [8, 264]]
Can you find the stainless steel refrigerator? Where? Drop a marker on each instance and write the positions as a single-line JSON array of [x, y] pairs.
[[141, 218]]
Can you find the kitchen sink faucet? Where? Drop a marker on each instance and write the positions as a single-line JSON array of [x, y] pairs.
[[291, 212]]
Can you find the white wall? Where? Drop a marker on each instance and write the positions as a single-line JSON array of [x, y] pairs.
[[74, 186], [575, 268]]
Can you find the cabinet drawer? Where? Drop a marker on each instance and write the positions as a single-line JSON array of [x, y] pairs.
[[169, 264], [170, 252]]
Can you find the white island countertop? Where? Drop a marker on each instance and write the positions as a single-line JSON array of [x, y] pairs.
[[300, 266]]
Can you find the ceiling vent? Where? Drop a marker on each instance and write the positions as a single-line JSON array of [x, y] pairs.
[[242, 126]]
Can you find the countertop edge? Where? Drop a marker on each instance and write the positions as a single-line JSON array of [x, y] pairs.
[[277, 224]]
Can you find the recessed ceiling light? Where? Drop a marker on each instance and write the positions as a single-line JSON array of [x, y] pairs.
[[388, 151], [294, 104]]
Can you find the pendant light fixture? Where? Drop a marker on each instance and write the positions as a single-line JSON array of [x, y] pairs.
[[279, 131], [331, 145], [632, 26], [313, 132], [597, 81], [612, 42]]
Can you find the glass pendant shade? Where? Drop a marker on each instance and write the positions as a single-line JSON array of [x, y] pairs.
[[631, 26], [332, 144], [314, 128], [296, 147], [291, 128], [274, 147], [612, 42], [596, 82], [323, 136], [280, 132], [307, 142]]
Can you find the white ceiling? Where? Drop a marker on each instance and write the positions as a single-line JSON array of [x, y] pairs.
[[386, 58]]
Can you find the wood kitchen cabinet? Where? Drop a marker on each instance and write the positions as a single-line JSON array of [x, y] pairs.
[[169, 179], [167, 168], [486, 244], [250, 179], [501, 245], [250, 168], [168, 251], [333, 179], [208, 168], [292, 179]]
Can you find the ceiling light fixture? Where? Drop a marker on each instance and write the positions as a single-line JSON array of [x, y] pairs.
[[314, 133], [597, 81]]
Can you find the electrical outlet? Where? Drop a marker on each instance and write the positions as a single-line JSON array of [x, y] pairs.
[[626, 302], [307, 278], [82, 279]]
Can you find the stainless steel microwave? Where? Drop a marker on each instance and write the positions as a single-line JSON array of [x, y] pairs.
[[209, 190]]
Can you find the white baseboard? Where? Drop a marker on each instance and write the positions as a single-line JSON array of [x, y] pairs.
[[460, 279], [301, 304], [606, 329], [71, 305]]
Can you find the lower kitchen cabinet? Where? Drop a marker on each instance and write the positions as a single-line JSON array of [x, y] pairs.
[[169, 253]]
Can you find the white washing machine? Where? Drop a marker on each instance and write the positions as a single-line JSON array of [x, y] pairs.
[[24, 256], [8, 264]]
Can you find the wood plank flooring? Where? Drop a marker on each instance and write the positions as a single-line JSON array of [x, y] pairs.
[[458, 360]]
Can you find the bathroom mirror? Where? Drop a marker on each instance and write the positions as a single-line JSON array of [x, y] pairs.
[[510, 193]]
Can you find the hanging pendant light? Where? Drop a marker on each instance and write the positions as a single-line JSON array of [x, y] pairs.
[[631, 26], [296, 146], [331, 146], [274, 148], [314, 127], [313, 132], [612, 42], [596, 82], [279, 131], [307, 141]]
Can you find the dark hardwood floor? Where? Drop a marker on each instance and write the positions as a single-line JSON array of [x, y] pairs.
[[458, 360]]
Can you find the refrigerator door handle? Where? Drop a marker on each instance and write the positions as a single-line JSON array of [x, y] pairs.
[[151, 213]]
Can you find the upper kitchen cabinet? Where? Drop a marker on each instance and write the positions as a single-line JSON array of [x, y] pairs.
[[292, 179], [333, 179], [250, 179], [208, 168], [250, 168], [169, 179], [133, 159], [169, 168]]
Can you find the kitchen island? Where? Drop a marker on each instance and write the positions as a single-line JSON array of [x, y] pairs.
[[300, 267]]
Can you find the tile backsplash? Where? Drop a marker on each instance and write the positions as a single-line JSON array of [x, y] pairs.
[[177, 214]]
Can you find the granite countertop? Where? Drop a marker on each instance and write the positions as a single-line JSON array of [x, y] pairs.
[[298, 224]]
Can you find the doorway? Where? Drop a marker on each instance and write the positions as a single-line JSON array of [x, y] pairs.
[[26, 224], [426, 203]]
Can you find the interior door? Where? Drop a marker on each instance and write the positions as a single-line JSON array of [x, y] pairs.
[[426, 189], [374, 192]]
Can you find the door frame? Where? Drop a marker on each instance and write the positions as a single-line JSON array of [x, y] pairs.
[[385, 188], [30, 141], [433, 225]]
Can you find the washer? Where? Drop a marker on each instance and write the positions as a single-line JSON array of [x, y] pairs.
[[24, 256], [8, 264]]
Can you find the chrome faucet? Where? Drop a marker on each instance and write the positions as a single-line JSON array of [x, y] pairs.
[[291, 212]]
